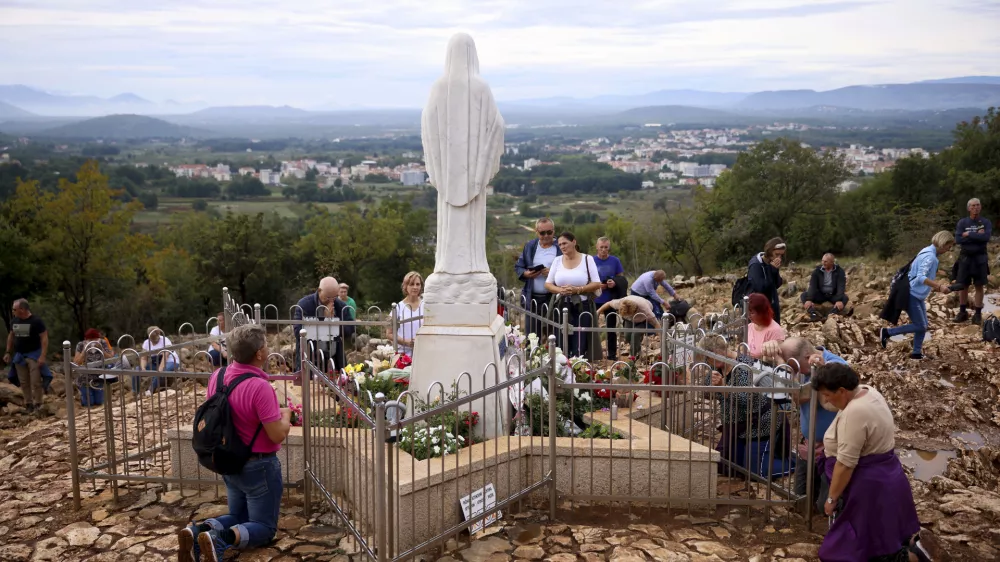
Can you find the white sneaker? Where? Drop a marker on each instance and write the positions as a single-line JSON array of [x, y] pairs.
[[149, 393]]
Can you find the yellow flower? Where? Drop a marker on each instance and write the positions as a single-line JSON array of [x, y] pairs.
[[349, 369], [385, 364], [359, 367]]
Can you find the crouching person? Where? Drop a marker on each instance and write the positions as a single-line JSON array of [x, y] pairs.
[[828, 284], [254, 494]]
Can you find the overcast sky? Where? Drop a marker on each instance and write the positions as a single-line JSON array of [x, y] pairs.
[[386, 53]]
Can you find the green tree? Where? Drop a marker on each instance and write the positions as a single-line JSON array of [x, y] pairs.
[[18, 268], [242, 252], [82, 239], [777, 188]]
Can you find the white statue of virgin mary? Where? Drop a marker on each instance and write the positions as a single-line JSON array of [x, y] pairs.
[[462, 133]]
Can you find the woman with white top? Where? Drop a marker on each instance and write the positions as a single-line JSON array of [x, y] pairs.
[[162, 361], [412, 306], [574, 281]]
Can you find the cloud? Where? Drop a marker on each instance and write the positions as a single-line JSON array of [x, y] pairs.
[[311, 53]]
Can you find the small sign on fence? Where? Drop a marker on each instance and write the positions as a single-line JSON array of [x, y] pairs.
[[478, 502]]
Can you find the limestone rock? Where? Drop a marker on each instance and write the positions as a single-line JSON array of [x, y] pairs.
[[711, 548], [51, 548], [80, 533], [625, 554], [562, 557], [530, 552], [479, 551], [803, 550]]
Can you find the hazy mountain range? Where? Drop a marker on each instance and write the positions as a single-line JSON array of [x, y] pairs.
[[948, 93], [933, 103]]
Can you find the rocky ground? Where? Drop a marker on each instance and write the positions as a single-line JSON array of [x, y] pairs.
[[948, 433]]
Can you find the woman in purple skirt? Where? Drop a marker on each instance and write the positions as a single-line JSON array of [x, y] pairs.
[[870, 501]]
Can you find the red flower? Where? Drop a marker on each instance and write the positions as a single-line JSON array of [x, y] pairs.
[[603, 393], [404, 361]]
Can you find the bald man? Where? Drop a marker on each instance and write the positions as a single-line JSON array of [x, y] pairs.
[[324, 303], [828, 284]]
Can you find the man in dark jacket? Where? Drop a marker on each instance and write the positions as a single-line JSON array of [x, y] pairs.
[[763, 274], [972, 234], [317, 306], [532, 268], [827, 284]]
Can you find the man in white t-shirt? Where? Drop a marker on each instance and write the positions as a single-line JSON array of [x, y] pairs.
[[217, 350], [162, 361]]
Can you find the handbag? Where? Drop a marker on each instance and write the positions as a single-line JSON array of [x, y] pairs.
[[586, 264]]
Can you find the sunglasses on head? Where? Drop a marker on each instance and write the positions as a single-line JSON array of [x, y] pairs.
[[546, 232]]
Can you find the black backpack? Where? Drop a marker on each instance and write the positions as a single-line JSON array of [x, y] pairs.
[[741, 289], [215, 438], [991, 329]]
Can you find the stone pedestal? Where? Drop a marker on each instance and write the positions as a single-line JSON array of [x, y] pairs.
[[444, 350]]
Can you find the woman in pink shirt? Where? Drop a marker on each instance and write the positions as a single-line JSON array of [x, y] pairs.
[[254, 495], [762, 327]]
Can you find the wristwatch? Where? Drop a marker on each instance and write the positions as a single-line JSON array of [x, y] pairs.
[[829, 500]]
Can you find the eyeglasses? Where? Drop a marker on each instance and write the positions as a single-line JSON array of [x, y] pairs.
[[546, 232]]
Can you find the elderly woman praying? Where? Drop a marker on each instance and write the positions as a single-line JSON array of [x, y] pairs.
[[870, 496], [745, 416]]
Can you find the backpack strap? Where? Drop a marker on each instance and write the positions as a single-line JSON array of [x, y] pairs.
[[219, 386], [232, 387]]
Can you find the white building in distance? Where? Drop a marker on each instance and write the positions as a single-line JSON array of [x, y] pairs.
[[413, 177]]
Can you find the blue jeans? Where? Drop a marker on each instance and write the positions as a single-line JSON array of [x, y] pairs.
[[154, 365], [917, 311], [254, 498]]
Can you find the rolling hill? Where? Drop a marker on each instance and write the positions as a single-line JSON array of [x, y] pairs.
[[9, 111], [910, 97], [123, 127], [664, 114]]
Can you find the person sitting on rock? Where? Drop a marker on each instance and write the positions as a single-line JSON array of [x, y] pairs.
[[828, 284], [253, 495], [158, 358], [217, 350]]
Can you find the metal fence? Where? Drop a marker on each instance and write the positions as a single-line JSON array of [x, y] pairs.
[[363, 457]]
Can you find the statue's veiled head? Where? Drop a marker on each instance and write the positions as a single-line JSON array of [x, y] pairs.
[[462, 59]]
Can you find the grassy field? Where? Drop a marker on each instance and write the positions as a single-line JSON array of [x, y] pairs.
[[512, 227]]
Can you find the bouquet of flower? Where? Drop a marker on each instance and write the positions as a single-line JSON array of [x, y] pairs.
[[296, 412], [429, 442], [404, 361]]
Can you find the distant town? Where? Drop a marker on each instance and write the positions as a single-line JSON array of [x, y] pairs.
[[668, 160]]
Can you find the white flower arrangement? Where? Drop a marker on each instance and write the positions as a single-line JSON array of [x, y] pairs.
[[429, 442]]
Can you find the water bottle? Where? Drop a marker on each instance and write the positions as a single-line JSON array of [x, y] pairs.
[[614, 410]]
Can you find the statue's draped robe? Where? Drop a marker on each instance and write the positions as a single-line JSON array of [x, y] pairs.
[[462, 133]]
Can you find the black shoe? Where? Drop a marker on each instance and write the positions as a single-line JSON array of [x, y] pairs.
[[977, 318], [813, 315], [883, 337], [836, 311], [962, 316], [919, 356]]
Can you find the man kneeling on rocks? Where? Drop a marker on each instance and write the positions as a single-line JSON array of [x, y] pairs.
[[254, 495], [828, 284]]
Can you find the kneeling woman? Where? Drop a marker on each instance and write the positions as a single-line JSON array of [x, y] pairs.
[[573, 280], [869, 492], [746, 417]]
